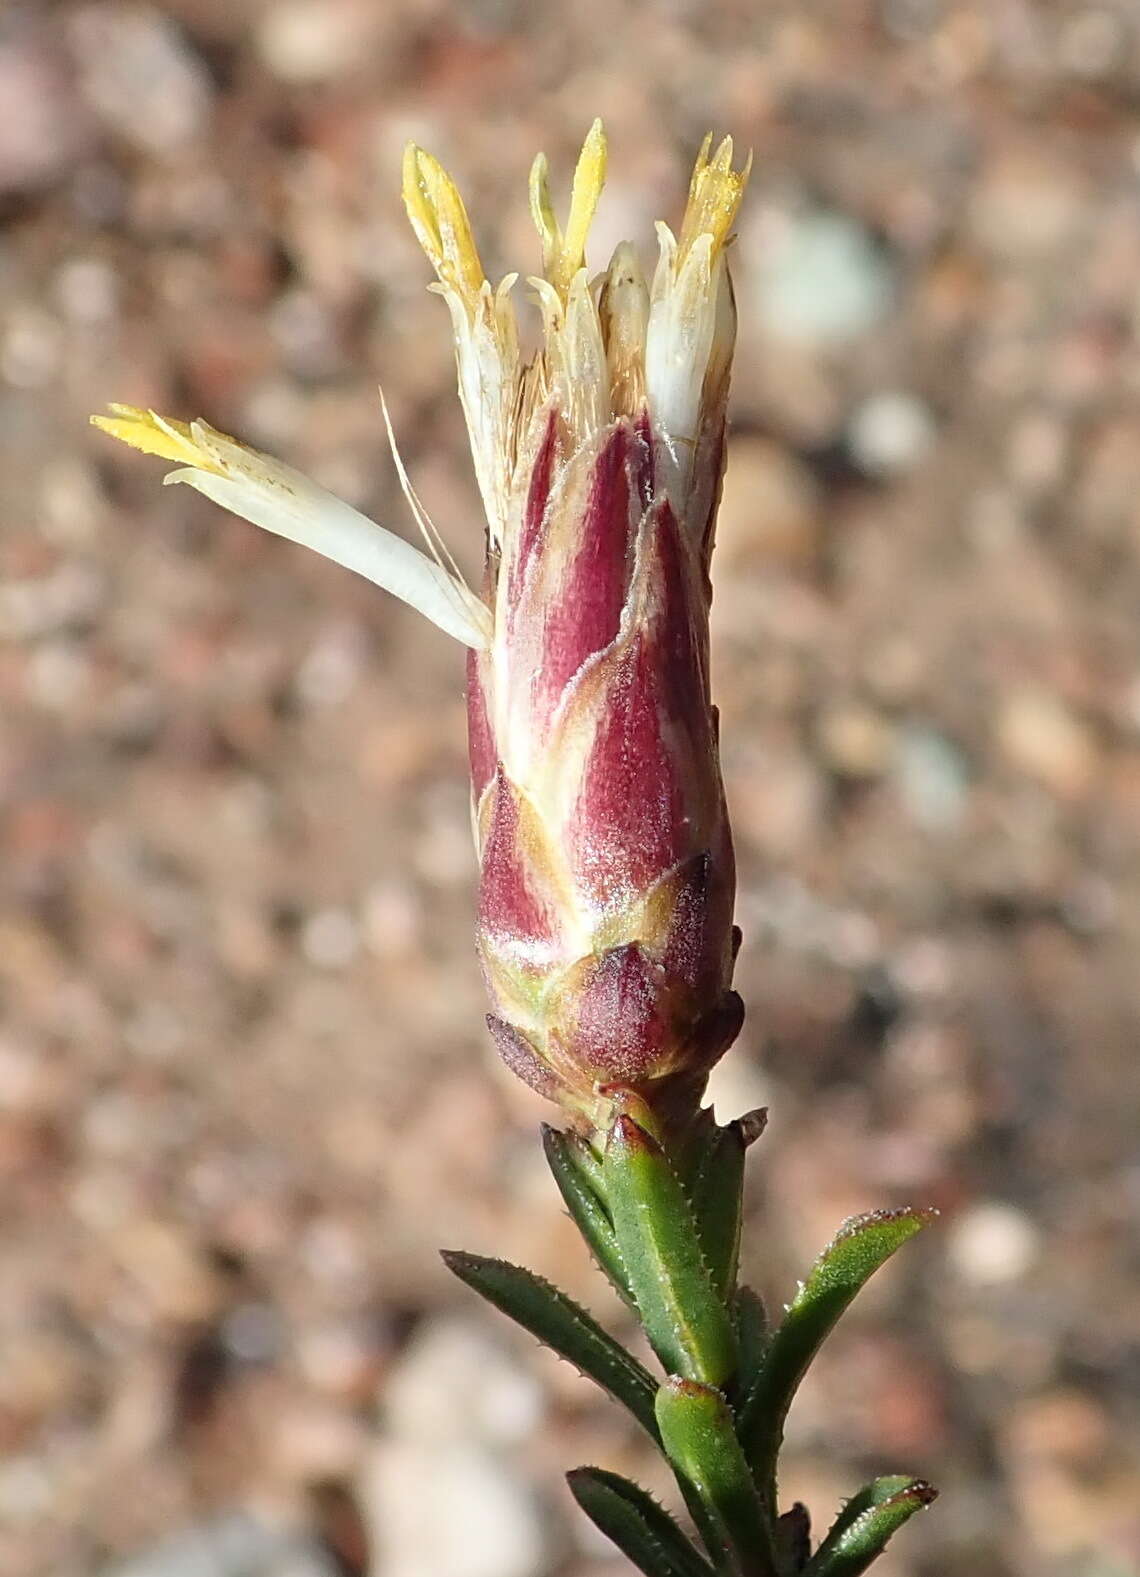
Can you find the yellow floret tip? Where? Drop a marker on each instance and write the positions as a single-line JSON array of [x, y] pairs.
[[564, 251], [158, 435], [714, 197], [440, 221]]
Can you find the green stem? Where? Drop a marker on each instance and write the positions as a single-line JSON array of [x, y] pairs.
[[662, 1218]]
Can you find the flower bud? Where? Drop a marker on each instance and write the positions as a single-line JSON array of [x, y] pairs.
[[606, 870], [606, 866]]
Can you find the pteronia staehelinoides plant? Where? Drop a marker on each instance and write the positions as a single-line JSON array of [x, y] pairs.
[[606, 867]]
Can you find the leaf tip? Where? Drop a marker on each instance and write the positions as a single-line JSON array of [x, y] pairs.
[[907, 1218], [922, 1491], [752, 1124], [461, 1263]]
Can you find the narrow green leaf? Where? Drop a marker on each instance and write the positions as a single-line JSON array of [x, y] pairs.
[[578, 1173], [861, 1530], [687, 1323], [753, 1334], [716, 1194], [858, 1249], [582, 1156], [642, 1530], [871, 1495], [698, 1437], [563, 1325], [689, 1147]]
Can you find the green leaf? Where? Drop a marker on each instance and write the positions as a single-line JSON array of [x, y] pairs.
[[856, 1252], [716, 1194], [561, 1324], [582, 1156], [687, 1323], [690, 1146], [861, 1530], [578, 1173], [753, 1335], [642, 1530], [698, 1437]]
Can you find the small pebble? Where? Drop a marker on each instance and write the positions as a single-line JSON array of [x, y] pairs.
[[822, 279], [331, 1252], [452, 1511], [454, 1382], [140, 76], [69, 596], [330, 939], [932, 776], [87, 290], [1026, 207], [31, 348], [338, 1357], [72, 506], [889, 433], [315, 40], [1092, 44], [1038, 452], [392, 920], [330, 668], [41, 129], [770, 511], [252, 1333], [855, 741], [993, 1244], [26, 1490], [235, 1544], [1040, 736], [59, 675]]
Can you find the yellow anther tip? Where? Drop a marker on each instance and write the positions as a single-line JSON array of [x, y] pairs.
[[715, 192], [440, 221], [542, 211], [595, 146], [153, 434], [416, 187], [410, 171], [564, 252]]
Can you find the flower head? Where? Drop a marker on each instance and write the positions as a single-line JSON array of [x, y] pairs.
[[606, 889], [607, 875]]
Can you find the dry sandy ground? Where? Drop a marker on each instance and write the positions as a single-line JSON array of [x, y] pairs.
[[244, 1087]]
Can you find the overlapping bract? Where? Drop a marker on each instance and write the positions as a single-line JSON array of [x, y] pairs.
[[606, 890]]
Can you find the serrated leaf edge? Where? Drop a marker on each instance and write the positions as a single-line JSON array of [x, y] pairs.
[[642, 1388]]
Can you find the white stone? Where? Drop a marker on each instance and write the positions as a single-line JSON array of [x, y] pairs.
[[451, 1511], [1039, 736], [890, 432], [330, 939], [993, 1243], [313, 40], [455, 1383], [139, 74], [823, 281], [932, 777], [331, 667]]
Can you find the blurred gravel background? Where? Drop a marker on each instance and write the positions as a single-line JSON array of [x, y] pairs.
[[244, 1087]]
